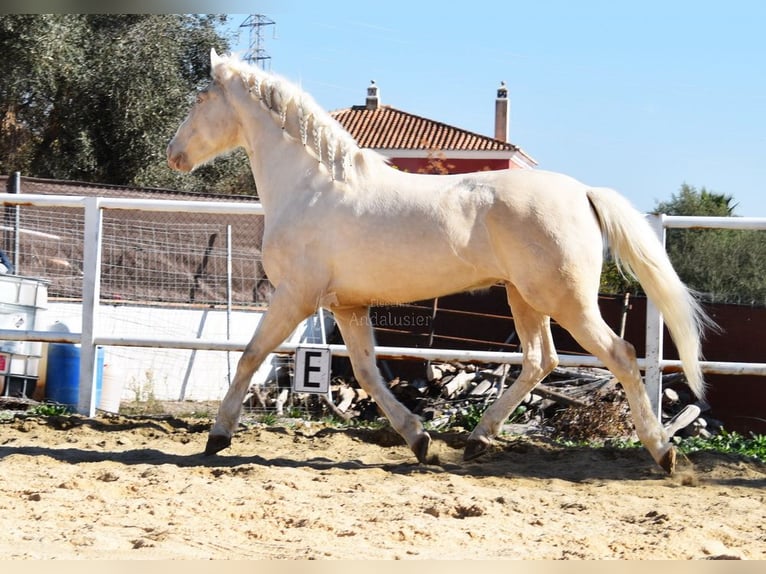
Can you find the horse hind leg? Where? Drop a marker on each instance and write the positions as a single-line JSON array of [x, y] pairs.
[[619, 356], [356, 329], [533, 329]]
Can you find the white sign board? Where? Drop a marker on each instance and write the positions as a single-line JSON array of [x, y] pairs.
[[312, 370]]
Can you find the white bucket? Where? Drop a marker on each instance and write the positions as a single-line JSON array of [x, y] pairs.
[[111, 391]]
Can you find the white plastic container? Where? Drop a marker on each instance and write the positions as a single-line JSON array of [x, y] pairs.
[[25, 291], [22, 301]]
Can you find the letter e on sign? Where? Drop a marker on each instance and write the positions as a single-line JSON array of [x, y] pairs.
[[312, 370]]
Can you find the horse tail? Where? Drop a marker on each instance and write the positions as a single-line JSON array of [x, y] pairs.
[[636, 248]]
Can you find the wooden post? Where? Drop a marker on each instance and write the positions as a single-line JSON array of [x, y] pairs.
[[624, 319]]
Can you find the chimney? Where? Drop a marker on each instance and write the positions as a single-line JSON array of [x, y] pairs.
[[502, 108], [372, 101]]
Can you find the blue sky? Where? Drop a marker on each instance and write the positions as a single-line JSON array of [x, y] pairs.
[[638, 96]]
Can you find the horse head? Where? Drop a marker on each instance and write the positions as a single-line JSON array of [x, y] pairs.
[[211, 127]]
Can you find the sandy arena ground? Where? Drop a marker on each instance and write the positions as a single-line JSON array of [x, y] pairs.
[[136, 488]]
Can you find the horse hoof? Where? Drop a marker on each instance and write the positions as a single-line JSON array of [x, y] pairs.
[[420, 448], [216, 443], [668, 460], [474, 448]]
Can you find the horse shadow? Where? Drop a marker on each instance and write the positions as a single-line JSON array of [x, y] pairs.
[[513, 458]]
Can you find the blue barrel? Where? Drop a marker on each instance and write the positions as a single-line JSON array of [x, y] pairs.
[[62, 374]]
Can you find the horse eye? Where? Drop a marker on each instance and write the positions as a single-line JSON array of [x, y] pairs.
[[202, 95]]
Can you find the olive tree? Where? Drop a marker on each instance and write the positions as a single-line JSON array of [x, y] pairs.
[[97, 97]]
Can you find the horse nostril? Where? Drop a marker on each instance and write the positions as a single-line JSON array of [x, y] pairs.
[[178, 162], [173, 158]]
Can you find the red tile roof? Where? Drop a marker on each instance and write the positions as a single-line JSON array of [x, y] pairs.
[[385, 127]]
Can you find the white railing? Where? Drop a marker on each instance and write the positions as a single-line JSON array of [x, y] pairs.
[[90, 338]]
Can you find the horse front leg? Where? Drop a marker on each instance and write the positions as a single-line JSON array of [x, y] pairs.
[[355, 326], [283, 316]]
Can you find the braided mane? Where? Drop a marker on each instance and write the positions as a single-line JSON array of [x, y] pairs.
[[302, 119]]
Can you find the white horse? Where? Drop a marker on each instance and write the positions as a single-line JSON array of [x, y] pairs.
[[344, 230]]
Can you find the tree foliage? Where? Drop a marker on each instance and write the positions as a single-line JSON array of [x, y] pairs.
[[721, 265], [97, 97]]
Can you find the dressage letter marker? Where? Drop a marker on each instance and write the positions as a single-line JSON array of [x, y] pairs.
[[312, 370]]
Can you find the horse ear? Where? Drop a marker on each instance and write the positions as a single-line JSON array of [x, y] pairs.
[[215, 59]]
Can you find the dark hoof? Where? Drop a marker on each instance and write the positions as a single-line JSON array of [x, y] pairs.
[[668, 461], [474, 448], [420, 448], [216, 443]]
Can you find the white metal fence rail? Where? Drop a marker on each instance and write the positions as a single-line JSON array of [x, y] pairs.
[[652, 364]]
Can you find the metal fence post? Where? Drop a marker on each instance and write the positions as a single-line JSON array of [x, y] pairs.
[[91, 294], [228, 300], [17, 225], [654, 334], [11, 227]]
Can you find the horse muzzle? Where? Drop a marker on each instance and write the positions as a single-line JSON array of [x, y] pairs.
[[178, 160]]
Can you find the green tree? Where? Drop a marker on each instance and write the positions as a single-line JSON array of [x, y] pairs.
[[722, 265], [97, 97], [690, 201], [39, 67], [616, 282]]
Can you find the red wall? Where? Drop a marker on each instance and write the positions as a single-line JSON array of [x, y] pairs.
[[415, 164]]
